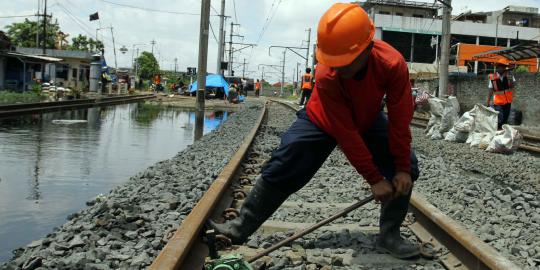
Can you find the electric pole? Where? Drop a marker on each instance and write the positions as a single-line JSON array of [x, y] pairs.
[[445, 48], [44, 47], [153, 42], [230, 50], [244, 69], [282, 75], [221, 39], [201, 73], [114, 49], [308, 42]]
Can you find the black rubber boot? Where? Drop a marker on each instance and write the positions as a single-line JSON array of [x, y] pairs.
[[390, 241], [260, 204]]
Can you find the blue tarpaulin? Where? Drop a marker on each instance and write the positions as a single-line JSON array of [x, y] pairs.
[[213, 80]]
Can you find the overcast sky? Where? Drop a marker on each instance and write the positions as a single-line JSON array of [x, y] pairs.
[[263, 22]]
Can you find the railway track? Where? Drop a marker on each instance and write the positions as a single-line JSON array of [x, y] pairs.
[[15, 110], [531, 143], [345, 244]]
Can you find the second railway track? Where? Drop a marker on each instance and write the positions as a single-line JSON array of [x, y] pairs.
[[15, 110], [348, 243]]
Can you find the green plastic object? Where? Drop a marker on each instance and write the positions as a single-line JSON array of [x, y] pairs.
[[229, 262]]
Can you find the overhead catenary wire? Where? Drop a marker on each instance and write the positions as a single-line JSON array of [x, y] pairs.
[[151, 9], [235, 16]]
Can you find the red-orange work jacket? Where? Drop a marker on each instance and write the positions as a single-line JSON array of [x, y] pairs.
[[307, 82], [502, 89], [346, 108]]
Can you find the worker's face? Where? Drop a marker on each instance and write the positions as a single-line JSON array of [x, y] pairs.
[[357, 64]]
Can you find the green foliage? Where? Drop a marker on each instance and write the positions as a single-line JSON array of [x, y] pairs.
[[148, 65], [8, 97], [521, 69], [36, 88], [23, 34], [84, 43]]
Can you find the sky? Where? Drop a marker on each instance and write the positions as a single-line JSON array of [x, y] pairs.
[[176, 31]]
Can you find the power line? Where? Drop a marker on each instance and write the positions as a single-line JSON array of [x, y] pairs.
[[235, 16], [152, 10], [17, 16], [212, 29]]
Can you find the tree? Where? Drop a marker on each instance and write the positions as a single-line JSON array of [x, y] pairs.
[[148, 65], [84, 43], [23, 34]]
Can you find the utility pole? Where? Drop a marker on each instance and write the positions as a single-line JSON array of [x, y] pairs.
[[221, 39], [282, 75], [44, 47], [153, 42], [308, 43], [230, 49], [445, 48], [37, 23], [244, 69], [114, 49], [201, 73]]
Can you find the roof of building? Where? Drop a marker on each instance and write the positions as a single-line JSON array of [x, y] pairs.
[[82, 55], [400, 3], [31, 57], [516, 53]]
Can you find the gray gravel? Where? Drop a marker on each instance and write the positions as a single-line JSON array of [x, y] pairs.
[[129, 227], [493, 195]]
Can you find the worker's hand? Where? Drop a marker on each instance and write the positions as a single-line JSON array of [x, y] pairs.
[[403, 183], [382, 191]]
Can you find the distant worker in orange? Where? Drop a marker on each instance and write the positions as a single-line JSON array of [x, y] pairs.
[[353, 75], [257, 88], [307, 87], [501, 86]]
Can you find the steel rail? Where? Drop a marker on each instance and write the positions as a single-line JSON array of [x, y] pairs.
[[465, 246], [175, 253], [79, 104], [8, 107], [468, 248]]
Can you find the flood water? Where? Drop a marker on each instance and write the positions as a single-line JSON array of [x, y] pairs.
[[50, 168]]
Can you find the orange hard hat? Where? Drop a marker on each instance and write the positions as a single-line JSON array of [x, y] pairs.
[[344, 31]]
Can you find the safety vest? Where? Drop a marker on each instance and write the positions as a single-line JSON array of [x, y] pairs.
[[258, 85], [306, 81], [502, 89]]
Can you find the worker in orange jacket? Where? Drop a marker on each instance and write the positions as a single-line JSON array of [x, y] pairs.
[[354, 73], [257, 88], [307, 86], [501, 86]]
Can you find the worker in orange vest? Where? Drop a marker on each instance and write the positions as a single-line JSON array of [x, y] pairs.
[[307, 86], [257, 88], [501, 86], [353, 74]]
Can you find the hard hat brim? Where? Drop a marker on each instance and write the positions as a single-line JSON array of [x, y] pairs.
[[344, 59]]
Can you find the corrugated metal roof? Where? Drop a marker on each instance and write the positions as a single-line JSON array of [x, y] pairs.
[[516, 53], [35, 57], [57, 53]]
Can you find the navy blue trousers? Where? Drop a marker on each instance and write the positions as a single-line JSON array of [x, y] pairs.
[[504, 112], [304, 148]]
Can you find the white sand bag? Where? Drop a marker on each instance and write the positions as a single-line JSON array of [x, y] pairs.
[[505, 141]]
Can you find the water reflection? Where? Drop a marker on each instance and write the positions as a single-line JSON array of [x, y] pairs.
[[48, 171]]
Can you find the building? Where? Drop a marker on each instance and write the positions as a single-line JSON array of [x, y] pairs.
[[414, 29], [73, 71], [18, 71]]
